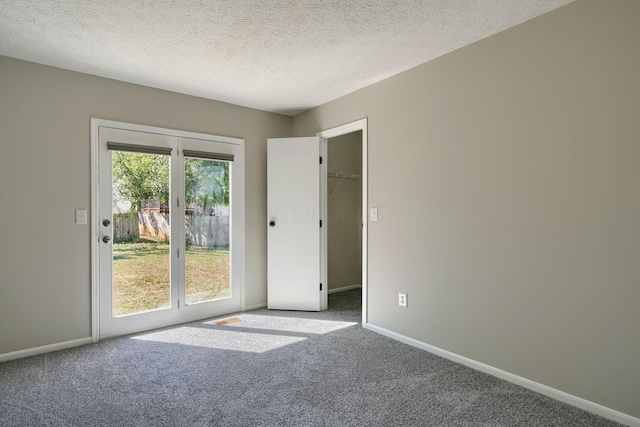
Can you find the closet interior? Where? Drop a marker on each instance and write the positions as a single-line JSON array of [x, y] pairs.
[[344, 212]]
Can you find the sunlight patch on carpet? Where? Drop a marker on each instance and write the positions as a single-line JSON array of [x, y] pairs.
[[284, 324], [221, 339], [251, 333]]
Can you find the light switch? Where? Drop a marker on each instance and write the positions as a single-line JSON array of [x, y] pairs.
[[374, 214], [81, 216]]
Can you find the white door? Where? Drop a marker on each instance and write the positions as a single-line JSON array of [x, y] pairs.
[[137, 280], [170, 228], [293, 216]]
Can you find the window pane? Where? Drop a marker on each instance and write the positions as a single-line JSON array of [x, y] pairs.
[[140, 212], [207, 214]]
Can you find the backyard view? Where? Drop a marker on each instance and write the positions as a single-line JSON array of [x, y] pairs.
[[141, 275], [142, 233]]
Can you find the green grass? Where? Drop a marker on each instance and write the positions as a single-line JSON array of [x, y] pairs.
[[141, 275]]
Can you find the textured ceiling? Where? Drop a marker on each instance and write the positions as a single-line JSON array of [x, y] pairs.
[[276, 55]]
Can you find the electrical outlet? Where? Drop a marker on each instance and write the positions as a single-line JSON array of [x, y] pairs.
[[402, 300]]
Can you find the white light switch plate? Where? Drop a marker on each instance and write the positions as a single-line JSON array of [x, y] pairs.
[[81, 216], [374, 214]]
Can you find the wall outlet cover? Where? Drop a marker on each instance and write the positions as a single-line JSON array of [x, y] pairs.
[[402, 300]]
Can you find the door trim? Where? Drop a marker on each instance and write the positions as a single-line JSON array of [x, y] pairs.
[[358, 125], [239, 203]]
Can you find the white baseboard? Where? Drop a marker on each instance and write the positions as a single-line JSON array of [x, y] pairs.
[[579, 402], [344, 288], [44, 349], [255, 307]]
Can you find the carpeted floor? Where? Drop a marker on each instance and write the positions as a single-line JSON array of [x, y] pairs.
[[266, 368]]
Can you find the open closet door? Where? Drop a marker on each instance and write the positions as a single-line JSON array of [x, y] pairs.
[[293, 217]]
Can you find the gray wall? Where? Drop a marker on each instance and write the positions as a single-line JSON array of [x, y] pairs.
[[508, 210], [45, 113], [507, 174], [344, 212]]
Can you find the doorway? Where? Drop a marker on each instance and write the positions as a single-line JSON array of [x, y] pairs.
[[167, 227], [345, 146], [297, 196], [344, 208]]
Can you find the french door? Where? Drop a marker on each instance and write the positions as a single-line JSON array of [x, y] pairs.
[[169, 226]]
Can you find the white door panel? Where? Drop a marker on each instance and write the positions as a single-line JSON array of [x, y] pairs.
[[112, 320], [194, 306], [293, 214]]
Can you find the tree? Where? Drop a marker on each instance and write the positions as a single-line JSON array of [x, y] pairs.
[[206, 183], [138, 177]]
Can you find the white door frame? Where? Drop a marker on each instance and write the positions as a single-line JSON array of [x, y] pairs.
[[238, 273], [359, 125]]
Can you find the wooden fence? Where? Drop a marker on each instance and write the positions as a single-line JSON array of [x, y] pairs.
[[207, 230], [125, 228], [211, 231], [154, 224]]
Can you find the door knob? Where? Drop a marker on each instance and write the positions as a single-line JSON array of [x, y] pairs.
[[106, 222], [272, 224], [106, 239]]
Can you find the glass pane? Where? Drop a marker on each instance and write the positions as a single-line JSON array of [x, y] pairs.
[[140, 211], [206, 230]]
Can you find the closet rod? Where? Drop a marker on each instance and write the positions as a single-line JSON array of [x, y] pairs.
[[343, 175]]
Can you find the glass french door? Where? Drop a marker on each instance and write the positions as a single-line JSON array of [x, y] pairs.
[[169, 229]]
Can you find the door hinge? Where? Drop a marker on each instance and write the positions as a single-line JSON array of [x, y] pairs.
[[321, 160], [320, 223], [178, 252], [320, 286], [178, 303], [178, 201]]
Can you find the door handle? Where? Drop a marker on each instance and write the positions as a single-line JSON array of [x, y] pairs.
[[272, 224], [106, 239]]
